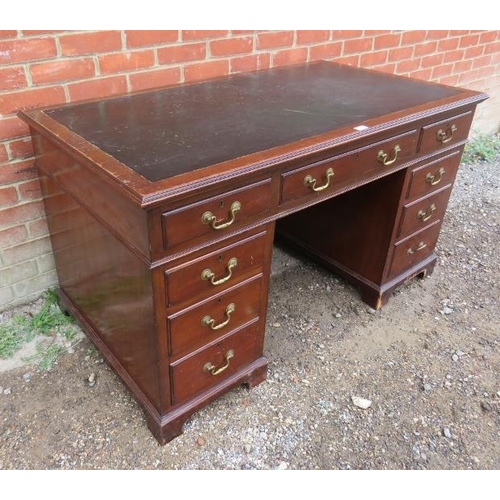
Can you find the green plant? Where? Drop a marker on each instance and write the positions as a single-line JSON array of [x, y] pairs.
[[11, 340], [50, 316], [482, 147]]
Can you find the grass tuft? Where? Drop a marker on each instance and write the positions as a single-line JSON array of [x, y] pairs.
[[482, 147]]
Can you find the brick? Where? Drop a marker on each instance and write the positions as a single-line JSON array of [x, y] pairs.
[[31, 98], [492, 48], [22, 50], [30, 190], [407, 66], [8, 196], [40, 32], [14, 274], [143, 38], [462, 66], [436, 34], [412, 37], [312, 36], [62, 70], [206, 70], [448, 44], [454, 55], [424, 49], [14, 172], [400, 54], [373, 58], [449, 80], [3, 154], [344, 34], [21, 213], [103, 87], [431, 61], [422, 74], [473, 52], [90, 43], [12, 127], [21, 149], [45, 263], [375, 32], [33, 287], [273, 40], [242, 32], [182, 53], [230, 46], [289, 56], [27, 251], [387, 41], [358, 45], [485, 72], [348, 60], [13, 236], [467, 77], [252, 62], [479, 62], [387, 68], [325, 51], [459, 32], [6, 297], [468, 40], [188, 35], [488, 36], [441, 71], [126, 61], [38, 227], [8, 33], [12, 78], [156, 78]]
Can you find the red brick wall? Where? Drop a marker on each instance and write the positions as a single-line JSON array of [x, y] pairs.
[[52, 67]]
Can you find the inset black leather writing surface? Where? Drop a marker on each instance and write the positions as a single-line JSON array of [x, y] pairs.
[[171, 131]]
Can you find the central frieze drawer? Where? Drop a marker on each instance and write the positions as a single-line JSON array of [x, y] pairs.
[[196, 326], [351, 168], [214, 363], [217, 215], [216, 271]]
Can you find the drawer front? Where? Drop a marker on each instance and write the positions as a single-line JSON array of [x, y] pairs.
[[425, 211], [215, 363], [219, 214], [216, 271], [412, 250], [351, 168], [203, 323], [445, 133], [433, 176]]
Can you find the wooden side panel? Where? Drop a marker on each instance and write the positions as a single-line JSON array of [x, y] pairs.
[[120, 216], [108, 284]]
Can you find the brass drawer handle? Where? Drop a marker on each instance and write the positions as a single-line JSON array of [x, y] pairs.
[[310, 181], [209, 367], [420, 246], [444, 136], [435, 179], [425, 216], [208, 321], [382, 157], [208, 274], [209, 217]]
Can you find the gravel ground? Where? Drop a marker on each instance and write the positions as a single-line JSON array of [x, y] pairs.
[[427, 365]]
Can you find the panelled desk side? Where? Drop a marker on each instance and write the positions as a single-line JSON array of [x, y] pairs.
[[170, 277]]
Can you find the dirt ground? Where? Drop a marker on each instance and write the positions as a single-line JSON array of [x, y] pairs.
[[429, 362]]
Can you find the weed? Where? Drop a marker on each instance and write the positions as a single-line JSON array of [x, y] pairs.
[[11, 340], [482, 147]]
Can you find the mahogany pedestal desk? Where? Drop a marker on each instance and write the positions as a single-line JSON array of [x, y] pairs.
[[162, 208]]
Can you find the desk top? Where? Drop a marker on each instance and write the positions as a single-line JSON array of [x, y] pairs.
[[172, 131], [160, 144]]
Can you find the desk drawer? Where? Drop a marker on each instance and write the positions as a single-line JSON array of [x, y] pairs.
[[433, 176], [445, 133], [206, 321], [412, 250], [425, 211], [350, 168], [213, 364], [217, 270], [216, 215]]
